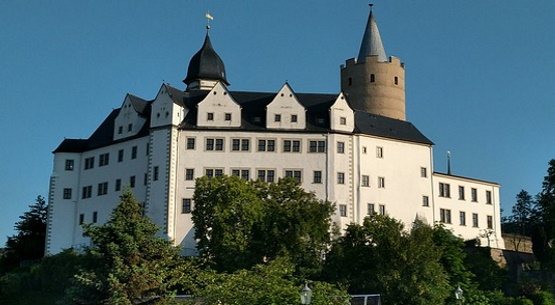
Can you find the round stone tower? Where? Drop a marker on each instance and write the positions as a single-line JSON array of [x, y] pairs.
[[373, 82]]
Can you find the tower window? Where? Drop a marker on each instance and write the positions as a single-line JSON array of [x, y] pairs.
[[396, 80], [350, 81], [372, 78]]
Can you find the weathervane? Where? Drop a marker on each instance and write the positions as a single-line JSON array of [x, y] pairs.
[[208, 18]]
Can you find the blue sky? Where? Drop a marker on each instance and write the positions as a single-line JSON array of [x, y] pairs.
[[479, 74]]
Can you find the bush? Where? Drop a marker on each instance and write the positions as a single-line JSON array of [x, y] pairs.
[[542, 298]]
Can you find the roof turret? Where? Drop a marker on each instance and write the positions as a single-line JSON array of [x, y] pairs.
[[371, 41], [206, 65]]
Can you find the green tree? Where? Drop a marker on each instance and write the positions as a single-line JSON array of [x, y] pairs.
[[264, 284], [28, 244], [544, 231], [129, 264], [452, 258], [381, 257], [239, 223], [521, 222]]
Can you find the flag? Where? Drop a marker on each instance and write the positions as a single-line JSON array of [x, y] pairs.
[[208, 16]]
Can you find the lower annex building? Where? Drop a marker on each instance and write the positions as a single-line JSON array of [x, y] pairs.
[[353, 148]]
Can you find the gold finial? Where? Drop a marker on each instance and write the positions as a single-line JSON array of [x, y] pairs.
[[208, 18]]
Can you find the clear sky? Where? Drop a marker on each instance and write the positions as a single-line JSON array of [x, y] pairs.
[[479, 74]]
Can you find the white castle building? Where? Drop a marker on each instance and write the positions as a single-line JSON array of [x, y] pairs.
[[353, 148]]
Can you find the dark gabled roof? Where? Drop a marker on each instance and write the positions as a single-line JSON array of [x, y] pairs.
[[206, 64], [103, 135], [386, 127], [140, 105]]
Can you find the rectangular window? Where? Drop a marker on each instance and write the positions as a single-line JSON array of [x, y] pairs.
[[371, 209], [132, 181], [120, 155], [189, 174], [87, 192], [277, 118], [445, 216], [145, 178], [214, 172], [134, 152], [423, 172], [379, 152], [490, 222], [425, 201], [461, 192], [210, 116], [95, 217], [147, 150], [240, 144], [227, 116], [475, 220], [266, 145], [342, 121], [291, 146], [215, 144], [69, 165], [294, 118], [488, 197], [155, 173], [474, 194], [364, 150], [129, 127], [81, 218], [462, 218], [340, 178], [317, 177], [118, 185], [186, 206], [89, 163], [120, 129], [294, 174], [243, 173], [382, 209], [340, 147], [365, 180], [266, 175], [444, 190], [381, 182], [102, 189], [343, 210], [317, 146], [67, 193], [104, 159], [190, 143]]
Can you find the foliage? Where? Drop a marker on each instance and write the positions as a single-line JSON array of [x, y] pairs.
[[542, 298], [129, 264], [239, 223], [268, 284], [28, 244], [380, 257], [42, 283], [545, 232], [489, 276], [452, 258]]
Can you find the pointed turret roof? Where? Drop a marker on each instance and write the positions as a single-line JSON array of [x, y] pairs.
[[371, 42], [206, 64]]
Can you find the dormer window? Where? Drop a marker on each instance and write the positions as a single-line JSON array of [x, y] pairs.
[[343, 121], [228, 116], [294, 118], [320, 120], [257, 119], [210, 116], [277, 118], [129, 127], [120, 130]]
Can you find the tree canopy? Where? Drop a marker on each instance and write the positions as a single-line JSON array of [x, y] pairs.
[[29, 242], [128, 263], [239, 223]]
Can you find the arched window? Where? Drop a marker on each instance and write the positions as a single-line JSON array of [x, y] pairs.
[[396, 80], [372, 78]]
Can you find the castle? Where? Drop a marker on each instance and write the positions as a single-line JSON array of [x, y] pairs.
[[354, 148]]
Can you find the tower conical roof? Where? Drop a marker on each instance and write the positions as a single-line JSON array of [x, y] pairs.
[[371, 42], [206, 64]]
